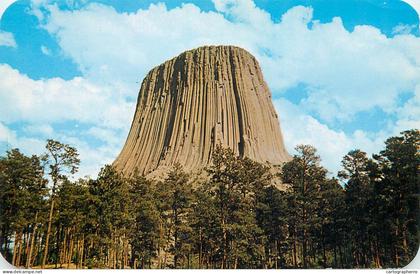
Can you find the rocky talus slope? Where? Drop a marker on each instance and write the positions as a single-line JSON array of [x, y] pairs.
[[187, 105]]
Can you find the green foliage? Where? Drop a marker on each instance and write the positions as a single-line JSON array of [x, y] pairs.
[[239, 216], [22, 190], [61, 159], [175, 197], [146, 220], [308, 183], [358, 196], [235, 185], [398, 196], [272, 218]]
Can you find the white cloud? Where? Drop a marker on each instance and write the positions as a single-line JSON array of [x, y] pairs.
[[44, 130], [56, 100], [299, 128], [408, 114], [7, 39], [92, 158], [6, 135], [403, 29], [41, 104], [346, 72], [243, 11], [126, 46], [27, 145], [105, 135]]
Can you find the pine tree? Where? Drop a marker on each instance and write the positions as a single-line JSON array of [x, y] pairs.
[[73, 220], [203, 222], [304, 175], [272, 217], [332, 220], [399, 188], [176, 197], [234, 218], [22, 202], [235, 186], [109, 198], [144, 235], [61, 159], [358, 197]]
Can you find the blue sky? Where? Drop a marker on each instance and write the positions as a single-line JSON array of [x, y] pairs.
[[344, 74]]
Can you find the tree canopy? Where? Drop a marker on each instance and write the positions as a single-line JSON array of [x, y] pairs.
[[236, 216]]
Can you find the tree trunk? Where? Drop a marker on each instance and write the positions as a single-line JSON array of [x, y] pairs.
[[200, 253], [108, 258], [19, 251], [31, 246], [29, 257], [28, 236], [324, 256], [15, 244], [70, 251], [160, 245], [36, 248], [114, 255], [405, 245], [304, 251], [335, 255], [82, 249], [125, 253], [340, 252], [47, 237], [63, 252], [397, 258], [176, 244], [377, 258], [223, 265], [78, 251], [2, 241], [57, 244], [165, 256], [294, 251]]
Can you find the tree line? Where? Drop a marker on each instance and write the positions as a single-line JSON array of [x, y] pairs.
[[235, 217]]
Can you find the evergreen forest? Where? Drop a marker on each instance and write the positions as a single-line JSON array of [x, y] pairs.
[[235, 217]]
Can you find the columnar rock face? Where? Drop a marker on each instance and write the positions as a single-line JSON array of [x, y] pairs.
[[189, 104]]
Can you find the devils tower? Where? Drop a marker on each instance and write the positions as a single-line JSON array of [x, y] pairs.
[[203, 97]]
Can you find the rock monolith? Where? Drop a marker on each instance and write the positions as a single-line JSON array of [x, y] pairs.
[[203, 97]]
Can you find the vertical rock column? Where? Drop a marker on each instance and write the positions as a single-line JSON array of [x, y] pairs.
[[203, 97]]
